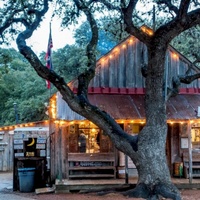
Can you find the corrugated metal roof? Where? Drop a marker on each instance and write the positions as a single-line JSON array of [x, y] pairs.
[[183, 106]]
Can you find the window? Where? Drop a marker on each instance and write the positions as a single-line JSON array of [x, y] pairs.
[[195, 132], [87, 138]]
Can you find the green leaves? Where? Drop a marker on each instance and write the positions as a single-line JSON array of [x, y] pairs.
[[20, 84], [188, 43]]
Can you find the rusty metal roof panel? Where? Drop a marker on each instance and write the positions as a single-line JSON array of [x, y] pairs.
[[183, 106], [120, 106], [138, 104]]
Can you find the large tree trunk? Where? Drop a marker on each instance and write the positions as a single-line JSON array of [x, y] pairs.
[[154, 177]]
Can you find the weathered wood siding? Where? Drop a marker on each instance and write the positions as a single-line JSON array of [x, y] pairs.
[[121, 67], [59, 150], [6, 151]]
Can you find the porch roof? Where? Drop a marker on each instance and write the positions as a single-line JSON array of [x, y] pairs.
[[131, 106]]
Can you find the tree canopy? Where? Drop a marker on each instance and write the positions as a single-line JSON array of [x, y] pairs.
[[19, 84], [19, 19]]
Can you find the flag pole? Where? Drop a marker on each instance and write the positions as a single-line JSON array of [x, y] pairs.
[[50, 67]]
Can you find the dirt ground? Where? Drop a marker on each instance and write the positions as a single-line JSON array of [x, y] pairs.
[[6, 193], [186, 195]]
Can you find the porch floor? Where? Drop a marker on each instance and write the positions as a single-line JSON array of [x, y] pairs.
[[66, 186]]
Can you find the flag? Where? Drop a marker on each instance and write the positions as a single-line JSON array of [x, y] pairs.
[[48, 57]]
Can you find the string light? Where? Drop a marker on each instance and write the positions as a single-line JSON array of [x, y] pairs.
[[147, 30], [174, 55], [130, 40], [116, 50], [88, 123], [102, 60]]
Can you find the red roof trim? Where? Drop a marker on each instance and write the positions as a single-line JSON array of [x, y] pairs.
[[189, 91], [104, 90]]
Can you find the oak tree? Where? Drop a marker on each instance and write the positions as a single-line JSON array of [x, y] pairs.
[[147, 150]]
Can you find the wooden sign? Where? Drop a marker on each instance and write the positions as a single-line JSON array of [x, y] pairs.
[[20, 141], [40, 146], [18, 136], [42, 153], [1, 148], [19, 154], [42, 137], [41, 141], [28, 154], [18, 146]]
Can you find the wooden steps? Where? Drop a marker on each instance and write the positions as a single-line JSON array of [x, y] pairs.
[[85, 185]]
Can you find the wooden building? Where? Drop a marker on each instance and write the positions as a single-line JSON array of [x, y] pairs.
[[26, 146], [79, 149], [6, 151]]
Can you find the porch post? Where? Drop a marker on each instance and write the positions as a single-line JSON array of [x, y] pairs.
[[190, 152], [60, 152], [126, 169]]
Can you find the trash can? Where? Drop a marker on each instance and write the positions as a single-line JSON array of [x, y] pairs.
[[26, 179]]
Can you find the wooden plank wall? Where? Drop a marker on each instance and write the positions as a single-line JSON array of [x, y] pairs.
[[59, 151], [6, 152], [121, 68]]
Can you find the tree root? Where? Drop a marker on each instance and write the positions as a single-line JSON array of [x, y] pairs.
[[154, 192]]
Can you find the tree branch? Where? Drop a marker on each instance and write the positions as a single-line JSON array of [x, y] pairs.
[[84, 78], [109, 5], [176, 82], [183, 9], [127, 13], [188, 79], [169, 4], [170, 30]]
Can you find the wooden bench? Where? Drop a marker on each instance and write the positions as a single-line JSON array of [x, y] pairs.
[[95, 165], [195, 164]]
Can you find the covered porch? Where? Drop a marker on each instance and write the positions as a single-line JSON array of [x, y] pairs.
[[84, 185]]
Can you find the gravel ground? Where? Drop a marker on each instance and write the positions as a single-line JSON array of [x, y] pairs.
[[186, 195], [6, 193]]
